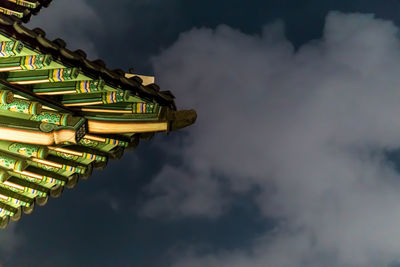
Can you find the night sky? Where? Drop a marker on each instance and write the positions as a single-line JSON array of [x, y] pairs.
[[287, 164]]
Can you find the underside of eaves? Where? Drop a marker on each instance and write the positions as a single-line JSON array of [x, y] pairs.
[[61, 115]]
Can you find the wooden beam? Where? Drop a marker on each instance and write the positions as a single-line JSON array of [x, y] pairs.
[[36, 137], [105, 127]]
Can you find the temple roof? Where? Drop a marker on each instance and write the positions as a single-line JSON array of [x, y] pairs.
[[61, 115], [36, 38], [22, 9]]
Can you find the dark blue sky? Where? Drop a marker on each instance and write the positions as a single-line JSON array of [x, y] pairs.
[[157, 24], [98, 223]]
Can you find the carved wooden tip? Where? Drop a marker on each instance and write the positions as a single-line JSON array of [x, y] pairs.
[[183, 118]]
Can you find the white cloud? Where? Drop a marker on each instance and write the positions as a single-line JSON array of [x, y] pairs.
[[308, 128], [195, 196]]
